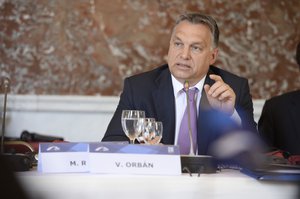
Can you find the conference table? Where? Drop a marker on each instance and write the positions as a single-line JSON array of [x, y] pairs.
[[227, 183]]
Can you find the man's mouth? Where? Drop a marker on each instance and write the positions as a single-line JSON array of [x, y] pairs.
[[182, 65]]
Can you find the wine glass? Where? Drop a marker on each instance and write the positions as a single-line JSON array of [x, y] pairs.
[[152, 133], [131, 123], [144, 121]]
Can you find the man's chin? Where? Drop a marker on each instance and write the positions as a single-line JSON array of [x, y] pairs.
[[182, 78]]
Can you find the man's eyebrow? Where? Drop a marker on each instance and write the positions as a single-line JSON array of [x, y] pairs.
[[176, 38], [201, 43], [198, 43]]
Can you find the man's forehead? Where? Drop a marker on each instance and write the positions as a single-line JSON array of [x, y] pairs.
[[195, 33], [191, 38]]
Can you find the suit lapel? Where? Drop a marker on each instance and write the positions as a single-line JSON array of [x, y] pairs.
[[164, 103]]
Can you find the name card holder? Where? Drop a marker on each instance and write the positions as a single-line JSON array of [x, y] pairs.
[[134, 159], [62, 157]]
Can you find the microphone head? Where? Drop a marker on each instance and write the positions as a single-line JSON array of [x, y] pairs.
[[186, 85], [26, 136], [4, 81]]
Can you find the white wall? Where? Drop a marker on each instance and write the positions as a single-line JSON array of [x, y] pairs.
[[75, 118]]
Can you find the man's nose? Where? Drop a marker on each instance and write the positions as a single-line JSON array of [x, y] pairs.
[[185, 54]]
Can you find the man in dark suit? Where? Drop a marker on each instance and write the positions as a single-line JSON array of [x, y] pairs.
[[279, 124], [223, 97]]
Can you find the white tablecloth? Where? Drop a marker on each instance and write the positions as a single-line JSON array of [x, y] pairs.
[[225, 184]]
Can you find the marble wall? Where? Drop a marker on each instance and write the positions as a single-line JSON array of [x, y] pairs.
[[87, 47]]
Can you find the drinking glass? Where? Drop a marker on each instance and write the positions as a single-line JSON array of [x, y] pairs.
[[131, 123], [153, 132], [145, 122]]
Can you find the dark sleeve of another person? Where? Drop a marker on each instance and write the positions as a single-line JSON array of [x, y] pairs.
[[10, 185], [114, 131]]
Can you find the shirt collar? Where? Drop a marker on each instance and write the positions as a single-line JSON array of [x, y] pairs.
[[177, 86]]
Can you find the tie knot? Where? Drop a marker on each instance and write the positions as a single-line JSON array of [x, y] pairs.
[[191, 93]]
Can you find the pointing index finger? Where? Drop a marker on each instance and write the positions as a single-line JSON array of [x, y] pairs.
[[215, 77]]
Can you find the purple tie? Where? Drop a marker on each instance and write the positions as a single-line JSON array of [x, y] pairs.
[[184, 137]]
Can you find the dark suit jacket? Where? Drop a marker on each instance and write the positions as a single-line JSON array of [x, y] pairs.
[[153, 92], [279, 124]]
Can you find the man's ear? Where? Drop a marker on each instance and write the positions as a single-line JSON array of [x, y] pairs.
[[214, 56]]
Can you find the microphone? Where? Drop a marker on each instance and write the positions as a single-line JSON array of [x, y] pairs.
[[35, 137], [17, 161], [193, 163], [186, 88], [4, 81]]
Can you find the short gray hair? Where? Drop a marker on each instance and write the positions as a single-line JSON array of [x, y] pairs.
[[197, 18]]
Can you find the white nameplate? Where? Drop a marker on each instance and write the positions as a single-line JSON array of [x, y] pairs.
[[61, 157], [134, 159]]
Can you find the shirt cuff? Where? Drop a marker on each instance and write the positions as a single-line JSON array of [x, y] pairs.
[[235, 116]]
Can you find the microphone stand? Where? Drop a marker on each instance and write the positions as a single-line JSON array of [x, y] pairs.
[[193, 163], [186, 88], [5, 83], [17, 161]]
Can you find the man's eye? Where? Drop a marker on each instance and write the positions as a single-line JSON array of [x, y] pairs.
[[177, 44], [196, 48]]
